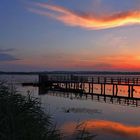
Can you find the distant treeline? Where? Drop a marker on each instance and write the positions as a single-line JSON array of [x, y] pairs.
[[72, 72], [19, 73]]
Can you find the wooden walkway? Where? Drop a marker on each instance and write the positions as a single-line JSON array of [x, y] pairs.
[[76, 83]]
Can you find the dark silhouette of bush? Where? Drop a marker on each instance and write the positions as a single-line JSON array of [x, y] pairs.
[[22, 118]]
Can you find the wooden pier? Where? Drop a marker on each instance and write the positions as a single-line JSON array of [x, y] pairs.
[[77, 82]]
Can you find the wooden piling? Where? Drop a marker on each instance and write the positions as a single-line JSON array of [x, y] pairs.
[[132, 91], [101, 89], [113, 90], [129, 91], [89, 87], [92, 85], [116, 89], [104, 89]]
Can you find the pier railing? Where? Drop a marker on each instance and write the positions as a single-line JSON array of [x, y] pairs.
[[90, 79], [77, 82]]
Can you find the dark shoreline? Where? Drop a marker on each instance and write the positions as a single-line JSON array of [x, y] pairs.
[[72, 72]]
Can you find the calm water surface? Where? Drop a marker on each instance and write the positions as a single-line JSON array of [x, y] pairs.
[[109, 121]]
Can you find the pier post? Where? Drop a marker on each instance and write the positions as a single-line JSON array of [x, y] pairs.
[[89, 87], [101, 89], [132, 91], [80, 85], [116, 90], [104, 89], [92, 85], [129, 91], [113, 89]]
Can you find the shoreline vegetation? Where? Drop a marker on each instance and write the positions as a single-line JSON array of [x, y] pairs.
[[23, 118]]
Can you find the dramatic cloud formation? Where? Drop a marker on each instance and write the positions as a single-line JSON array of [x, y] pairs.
[[90, 21]]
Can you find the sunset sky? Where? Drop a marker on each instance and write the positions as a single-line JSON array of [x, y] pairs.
[[41, 35]]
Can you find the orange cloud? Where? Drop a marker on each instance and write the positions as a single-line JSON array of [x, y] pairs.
[[90, 21], [104, 127]]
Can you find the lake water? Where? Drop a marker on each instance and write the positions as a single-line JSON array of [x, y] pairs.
[[107, 120]]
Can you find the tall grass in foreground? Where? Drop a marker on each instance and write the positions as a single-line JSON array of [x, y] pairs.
[[22, 118]]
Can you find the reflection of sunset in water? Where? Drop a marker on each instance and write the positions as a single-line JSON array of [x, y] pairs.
[[122, 90], [101, 127]]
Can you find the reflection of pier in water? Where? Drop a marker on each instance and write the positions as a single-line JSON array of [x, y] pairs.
[[94, 97], [86, 84]]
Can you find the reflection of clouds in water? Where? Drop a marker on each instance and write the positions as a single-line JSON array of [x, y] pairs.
[[122, 90], [104, 127]]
